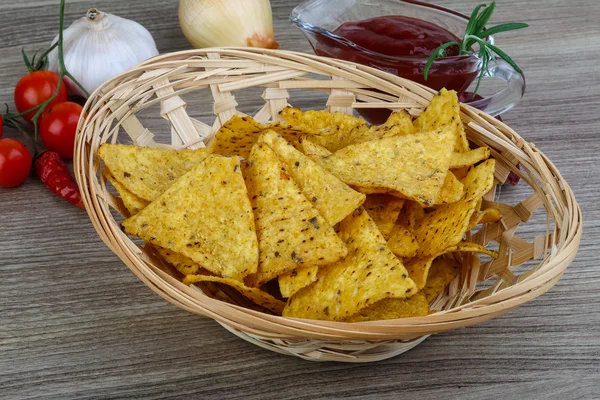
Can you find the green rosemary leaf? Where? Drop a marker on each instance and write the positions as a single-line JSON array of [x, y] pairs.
[[485, 59], [484, 18], [505, 57], [501, 28], [475, 34], [435, 55], [473, 19]]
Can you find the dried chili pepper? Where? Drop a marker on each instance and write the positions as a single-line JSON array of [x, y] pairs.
[[54, 173]]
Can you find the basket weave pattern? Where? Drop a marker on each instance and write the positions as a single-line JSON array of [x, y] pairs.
[[483, 290]]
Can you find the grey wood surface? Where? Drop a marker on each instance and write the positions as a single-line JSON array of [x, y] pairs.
[[76, 324]]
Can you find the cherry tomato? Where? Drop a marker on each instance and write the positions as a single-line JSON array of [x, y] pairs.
[[35, 88], [59, 126], [15, 163]]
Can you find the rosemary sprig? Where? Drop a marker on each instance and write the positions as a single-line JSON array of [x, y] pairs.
[[476, 33]]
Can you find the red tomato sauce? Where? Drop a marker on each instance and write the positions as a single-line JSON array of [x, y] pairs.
[[401, 46], [398, 36]]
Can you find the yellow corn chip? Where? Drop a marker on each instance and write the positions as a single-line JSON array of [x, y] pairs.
[[479, 180], [418, 267], [452, 190], [460, 173], [147, 172], [187, 219], [384, 210], [410, 214], [238, 135], [472, 248], [331, 197], [132, 203], [314, 151], [333, 130], [444, 227], [442, 272], [398, 124], [299, 278], [444, 110], [183, 264], [291, 232], [415, 306], [414, 165], [259, 297], [403, 242], [489, 215], [469, 158], [368, 274], [373, 190]]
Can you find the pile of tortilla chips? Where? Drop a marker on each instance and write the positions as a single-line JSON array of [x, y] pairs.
[[320, 216]]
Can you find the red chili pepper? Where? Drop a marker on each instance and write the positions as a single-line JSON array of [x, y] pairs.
[[56, 176]]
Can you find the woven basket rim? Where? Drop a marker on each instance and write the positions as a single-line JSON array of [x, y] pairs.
[[271, 326]]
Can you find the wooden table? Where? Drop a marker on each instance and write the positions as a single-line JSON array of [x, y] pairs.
[[76, 324]]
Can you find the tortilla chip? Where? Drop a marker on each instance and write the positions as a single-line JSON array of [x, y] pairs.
[[237, 136], [373, 190], [132, 203], [410, 214], [442, 272], [259, 297], [452, 190], [147, 172], [472, 248], [418, 267], [487, 216], [479, 180], [187, 219], [415, 306], [331, 197], [370, 272], [291, 232], [331, 130], [414, 165], [384, 210], [444, 227], [460, 173], [398, 124], [312, 150], [183, 264], [299, 278], [444, 110], [403, 242], [469, 158]]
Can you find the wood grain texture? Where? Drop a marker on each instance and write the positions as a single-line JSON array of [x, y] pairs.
[[76, 324]]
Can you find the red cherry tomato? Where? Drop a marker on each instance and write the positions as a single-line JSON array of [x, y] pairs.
[[58, 128], [15, 163], [35, 88]]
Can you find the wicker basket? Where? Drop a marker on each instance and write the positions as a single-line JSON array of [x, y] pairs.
[[525, 269]]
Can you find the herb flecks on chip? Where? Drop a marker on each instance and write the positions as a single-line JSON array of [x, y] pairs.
[[291, 232], [369, 273], [147, 172], [186, 219]]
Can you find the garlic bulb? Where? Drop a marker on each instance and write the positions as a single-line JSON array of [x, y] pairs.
[[100, 46], [215, 23]]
